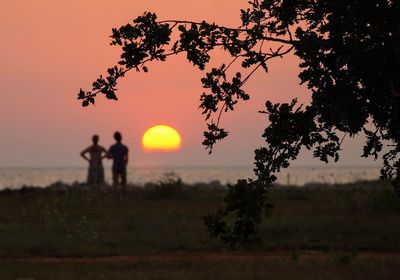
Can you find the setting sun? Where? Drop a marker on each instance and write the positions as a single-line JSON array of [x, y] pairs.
[[161, 138]]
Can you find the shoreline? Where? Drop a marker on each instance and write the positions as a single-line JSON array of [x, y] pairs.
[[39, 177], [59, 186]]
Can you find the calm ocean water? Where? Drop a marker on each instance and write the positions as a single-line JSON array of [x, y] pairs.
[[17, 177]]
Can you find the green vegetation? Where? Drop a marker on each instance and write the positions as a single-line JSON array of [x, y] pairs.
[[168, 217], [157, 232]]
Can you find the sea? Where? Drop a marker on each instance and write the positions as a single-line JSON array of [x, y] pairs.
[[14, 178]]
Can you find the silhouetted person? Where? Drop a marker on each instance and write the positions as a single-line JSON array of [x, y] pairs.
[[96, 155], [119, 153]]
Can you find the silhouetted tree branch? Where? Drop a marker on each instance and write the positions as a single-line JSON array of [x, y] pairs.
[[350, 58]]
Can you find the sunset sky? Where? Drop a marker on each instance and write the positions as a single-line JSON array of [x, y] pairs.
[[50, 49]]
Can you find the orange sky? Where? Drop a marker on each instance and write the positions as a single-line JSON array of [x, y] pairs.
[[52, 48]]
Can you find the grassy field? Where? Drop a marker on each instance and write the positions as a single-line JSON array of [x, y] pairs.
[[348, 231]]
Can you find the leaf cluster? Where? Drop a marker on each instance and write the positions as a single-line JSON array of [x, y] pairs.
[[245, 206]]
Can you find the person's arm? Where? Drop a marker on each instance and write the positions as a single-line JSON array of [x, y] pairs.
[[109, 153], [106, 154], [83, 154], [126, 157]]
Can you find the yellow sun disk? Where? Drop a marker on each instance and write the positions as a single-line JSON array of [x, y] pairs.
[[161, 138]]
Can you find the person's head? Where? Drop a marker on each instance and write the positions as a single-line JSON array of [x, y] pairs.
[[95, 139], [117, 136]]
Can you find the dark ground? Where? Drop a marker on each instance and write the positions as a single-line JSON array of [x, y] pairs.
[[317, 232]]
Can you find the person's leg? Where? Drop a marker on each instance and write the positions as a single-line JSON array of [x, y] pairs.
[[115, 178], [100, 177], [123, 178], [91, 179]]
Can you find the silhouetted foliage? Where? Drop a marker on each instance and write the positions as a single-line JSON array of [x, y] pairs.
[[350, 58], [170, 186]]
